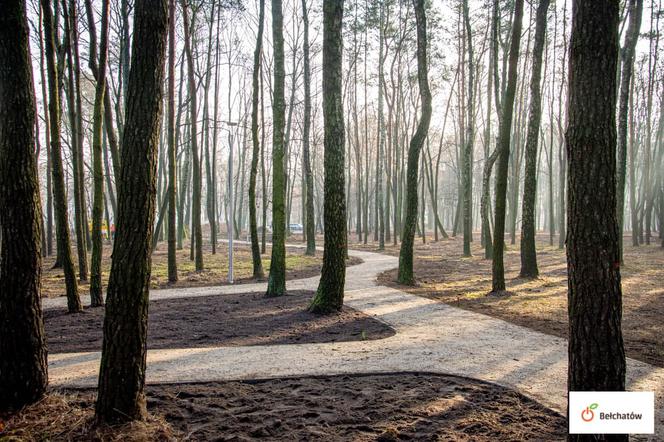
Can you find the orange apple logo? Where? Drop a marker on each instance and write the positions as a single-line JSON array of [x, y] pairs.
[[588, 414]]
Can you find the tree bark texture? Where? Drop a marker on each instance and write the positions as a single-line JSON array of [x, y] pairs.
[[405, 275], [172, 151], [23, 367], [330, 294], [256, 151], [122, 373], [469, 139], [627, 57], [596, 352], [528, 251], [310, 223], [75, 122], [380, 208], [197, 233], [59, 193], [276, 285], [96, 295], [498, 279]]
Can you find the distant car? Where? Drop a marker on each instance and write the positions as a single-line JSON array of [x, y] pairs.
[[296, 228]]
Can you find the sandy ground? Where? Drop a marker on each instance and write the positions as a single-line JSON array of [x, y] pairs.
[[225, 320], [442, 273], [430, 337], [391, 407]]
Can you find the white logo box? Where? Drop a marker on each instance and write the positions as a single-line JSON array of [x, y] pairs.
[[611, 412]]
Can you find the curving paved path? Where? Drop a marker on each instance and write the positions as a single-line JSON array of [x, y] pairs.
[[430, 336]]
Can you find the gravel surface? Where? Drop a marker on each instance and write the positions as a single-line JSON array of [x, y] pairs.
[[430, 337]]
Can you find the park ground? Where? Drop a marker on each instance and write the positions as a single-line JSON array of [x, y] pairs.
[[381, 407], [387, 408], [442, 273], [215, 272]]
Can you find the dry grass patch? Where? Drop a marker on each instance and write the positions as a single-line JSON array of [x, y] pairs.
[[215, 272], [70, 416], [541, 304]]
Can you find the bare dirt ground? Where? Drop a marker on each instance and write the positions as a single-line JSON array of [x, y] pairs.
[[442, 273], [298, 266], [386, 407], [220, 320]]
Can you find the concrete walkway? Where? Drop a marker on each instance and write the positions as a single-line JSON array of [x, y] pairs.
[[430, 336]]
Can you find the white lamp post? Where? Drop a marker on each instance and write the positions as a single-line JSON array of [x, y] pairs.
[[231, 215]]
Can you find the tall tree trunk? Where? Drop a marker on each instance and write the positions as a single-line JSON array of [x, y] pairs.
[[47, 138], [432, 185], [172, 150], [596, 352], [366, 128], [562, 187], [356, 133], [380, 211], [239, 182], [310, 224], [263, 171], [123, 64], [183, 168], [649, 150], [486, 175], [388, 164], [108, 177], [517, 151], [552, 210], [37, 138], [96, 295], [73, 105], [528, 251], [205, 135], [110, 133], [276, 285], [658, 189], [79, 132], [121, 394], [408, 234], [484, 204], [184, 192], [330, 294], [633, 152], [552, 125], [62, 224], [485, 199], [253, 228], [562, 152], [627, 66], [469, 138], [108, 110], [212, 191], [423, 206], [22, 342], [197, 233], [498, 279]]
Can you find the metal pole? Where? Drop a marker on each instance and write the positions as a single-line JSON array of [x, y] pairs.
[[231, 215]]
